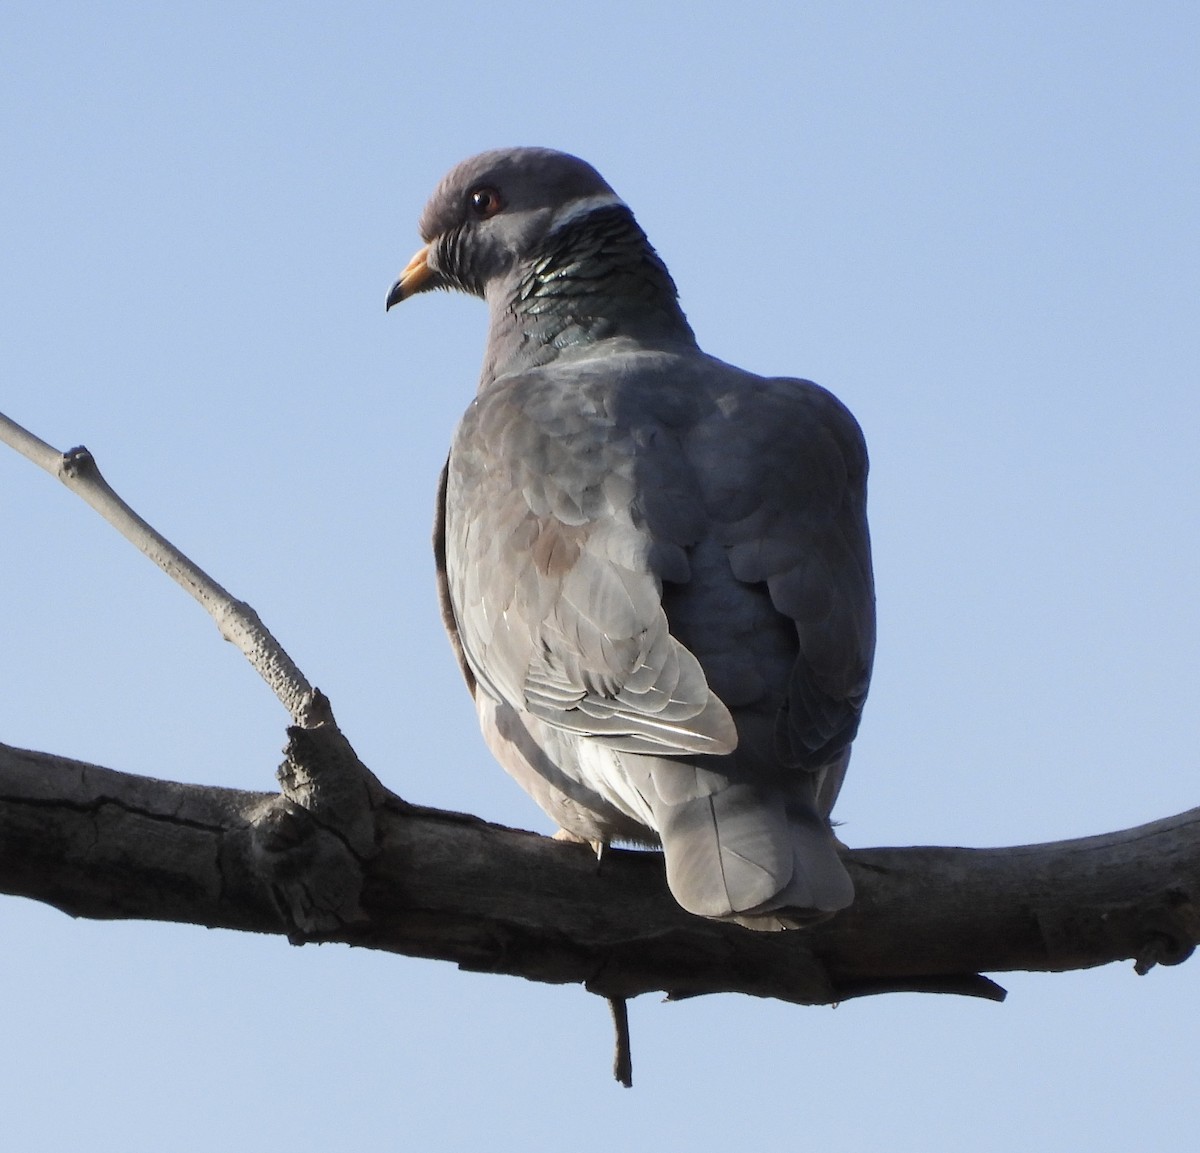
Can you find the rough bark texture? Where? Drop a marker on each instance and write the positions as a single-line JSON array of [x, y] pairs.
[[337, 857]]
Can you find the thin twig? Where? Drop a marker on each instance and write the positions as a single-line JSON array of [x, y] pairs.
[[237, 621], [623, 1056]]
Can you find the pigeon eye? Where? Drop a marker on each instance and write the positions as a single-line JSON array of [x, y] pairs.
[[485, 202]]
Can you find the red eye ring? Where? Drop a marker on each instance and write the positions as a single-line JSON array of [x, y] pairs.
[[485, 202]]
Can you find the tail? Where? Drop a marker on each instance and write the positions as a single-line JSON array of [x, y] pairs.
[[753, 855]]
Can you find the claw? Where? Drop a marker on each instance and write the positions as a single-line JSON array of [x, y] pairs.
[[598, 847]]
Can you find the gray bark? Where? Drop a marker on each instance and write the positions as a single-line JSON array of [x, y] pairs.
[[336, 857]]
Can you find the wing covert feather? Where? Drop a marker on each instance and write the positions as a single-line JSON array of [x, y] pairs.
[[556, 586]]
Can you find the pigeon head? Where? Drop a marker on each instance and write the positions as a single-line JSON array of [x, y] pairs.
[[556, 253]]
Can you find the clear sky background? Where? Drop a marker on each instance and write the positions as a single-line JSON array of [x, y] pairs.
[[977, 223]]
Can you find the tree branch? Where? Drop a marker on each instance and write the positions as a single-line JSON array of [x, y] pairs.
[[336, 857], [102, 844], [237, 621]]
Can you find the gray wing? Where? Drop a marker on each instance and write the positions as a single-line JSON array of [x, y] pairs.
[[555, 576], [780, 613], [784, 468]]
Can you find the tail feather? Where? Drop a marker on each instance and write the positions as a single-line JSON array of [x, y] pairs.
[[741, 853]]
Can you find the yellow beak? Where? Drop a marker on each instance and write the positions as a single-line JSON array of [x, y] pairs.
[[416, 277]]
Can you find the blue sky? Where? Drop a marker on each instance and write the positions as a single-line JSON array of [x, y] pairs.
[[976, 223]]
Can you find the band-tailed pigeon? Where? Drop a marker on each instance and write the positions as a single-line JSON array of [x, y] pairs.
[[653, 566]]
